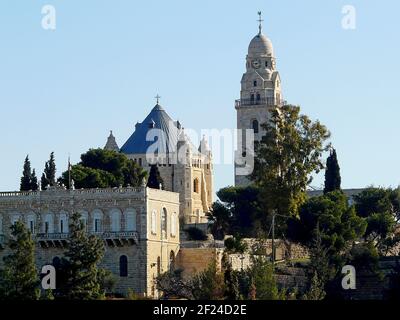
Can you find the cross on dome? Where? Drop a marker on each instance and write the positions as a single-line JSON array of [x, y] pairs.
[[260, 20]]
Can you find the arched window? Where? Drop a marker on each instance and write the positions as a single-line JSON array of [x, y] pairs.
[[31, 223], [115, 217], [172, 261], [252, 98], [255, 126], [97, 221], [84, 219], [154, 222], [196, 185], [130, 220], [48, 225], [164, 222], [266, 64], [15, 218], [63, 223], [173, 224], [258, 97], [123, 266], [158, 266], [254, 83]]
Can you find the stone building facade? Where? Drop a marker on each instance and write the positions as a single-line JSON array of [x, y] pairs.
[[139, 226], [184, 168], [260, 92]]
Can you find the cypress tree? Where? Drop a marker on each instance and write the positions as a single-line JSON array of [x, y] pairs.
[[332, 173], [19, 279], [26, 176], [155, 178], [83, 280], [43, 180], [34, 181], [49, 174]]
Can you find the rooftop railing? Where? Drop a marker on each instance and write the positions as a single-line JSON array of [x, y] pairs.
[[72, 192], [255, 102]]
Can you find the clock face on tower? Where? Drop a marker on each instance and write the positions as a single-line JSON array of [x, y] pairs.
[[255, 64]]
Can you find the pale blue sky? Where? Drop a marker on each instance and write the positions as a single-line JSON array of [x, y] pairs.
[[64, 90]]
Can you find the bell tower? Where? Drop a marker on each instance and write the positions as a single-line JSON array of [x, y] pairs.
[[260, 92]]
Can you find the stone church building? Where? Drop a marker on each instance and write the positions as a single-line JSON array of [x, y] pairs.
[[141, 227], [184, 168]]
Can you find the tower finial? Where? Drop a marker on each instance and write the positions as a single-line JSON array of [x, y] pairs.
[[158, 98], [260, 20]]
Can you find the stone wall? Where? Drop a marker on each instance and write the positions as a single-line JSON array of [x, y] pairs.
[[146, 251], [194, 260]]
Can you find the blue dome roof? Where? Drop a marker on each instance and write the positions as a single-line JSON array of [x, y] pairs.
[[145, 136]]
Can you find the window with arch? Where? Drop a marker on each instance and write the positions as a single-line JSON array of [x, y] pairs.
[[97, 221], [31, 223], [266, 64], [255, 126], [258, 97], [255, 83], [84, 219], [130, 220], [164, 221], [172, 261], [154, 222], [115, 218], [123, 266], [15, 218], [48, 224], [196, 185], [252, 98], [63, 223], [173, 224]]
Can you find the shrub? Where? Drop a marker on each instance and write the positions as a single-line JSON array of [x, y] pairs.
[[196, 234]]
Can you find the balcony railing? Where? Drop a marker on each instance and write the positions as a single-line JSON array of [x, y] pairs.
[[256, 102], [113, 238], [120, 235], [52, 236]]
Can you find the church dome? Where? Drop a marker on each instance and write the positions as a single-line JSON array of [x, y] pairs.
[[260, 45]]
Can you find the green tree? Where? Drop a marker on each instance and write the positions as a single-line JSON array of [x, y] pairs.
[[49, 174], [263, 279], [155, 179], [100, 168], [26, 179], [380, 207], [83, 279], [289, 152], [338, 224], [221, 218], [19, 278], [208, 284], [320, 272], [332, 173], [240, 212], [232, 288]]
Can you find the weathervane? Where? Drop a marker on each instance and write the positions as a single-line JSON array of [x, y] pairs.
[[158, 98], [260, 20]]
